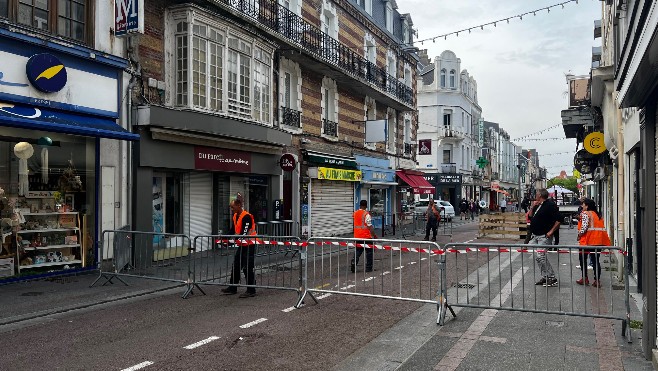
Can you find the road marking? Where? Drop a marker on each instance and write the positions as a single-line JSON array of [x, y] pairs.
[[202, 342], [347, 287], [423, 259], [467, 241], [288, 310], [138, 366], [385, 273], [253, 323], [369, 279], [411, 263], [398, 268], [322, 286], [323, 296]]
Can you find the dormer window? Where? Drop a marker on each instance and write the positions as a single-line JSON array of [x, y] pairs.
[[443, 78]]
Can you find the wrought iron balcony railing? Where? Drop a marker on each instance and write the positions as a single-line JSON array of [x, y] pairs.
[[449, 168], [408, 148], [329, 128], [291, 117], [270, 14]]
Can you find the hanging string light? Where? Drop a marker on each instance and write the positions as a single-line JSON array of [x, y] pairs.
[[494, 23], [537, 132]]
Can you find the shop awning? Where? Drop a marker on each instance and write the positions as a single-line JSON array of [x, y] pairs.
[[28, 117], [416, 181]]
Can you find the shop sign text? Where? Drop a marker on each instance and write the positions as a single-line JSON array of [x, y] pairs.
[[216, 159], [339, 174]]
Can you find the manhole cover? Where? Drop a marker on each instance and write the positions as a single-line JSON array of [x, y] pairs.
[[32, 293], [463, 285], [555, 323]]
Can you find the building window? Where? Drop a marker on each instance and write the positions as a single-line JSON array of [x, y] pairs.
[[407, 75], [370, 48], [217, 69], [407, 129], [447, 118], [391, 127], [329, 108], [452, 79], [66, 18], [389, 16], [329, 19], [405, 32], [446, 156], [443, 78], [391, 64], [290, 94]]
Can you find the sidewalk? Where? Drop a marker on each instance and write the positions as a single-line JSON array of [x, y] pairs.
[[487, 339]]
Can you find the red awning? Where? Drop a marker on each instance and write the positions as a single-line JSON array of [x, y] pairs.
[[416, 181]]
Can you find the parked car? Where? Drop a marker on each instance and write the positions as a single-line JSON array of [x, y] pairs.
[[448, 211], [420, 207]]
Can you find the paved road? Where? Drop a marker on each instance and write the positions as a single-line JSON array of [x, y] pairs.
[[165, 332]]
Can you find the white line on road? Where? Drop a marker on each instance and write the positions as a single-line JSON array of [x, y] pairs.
[[347, 287], [398, 268], [411, 263], [138, 366], [253, 323], [385, 273], [202, 342], [323, 296], [467, 241], [288, 310], [423, 259], [369, 279]]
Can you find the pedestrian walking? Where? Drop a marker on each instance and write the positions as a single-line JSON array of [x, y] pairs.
[[463, 209], [473, 208], [243, 225], [433, 218], [363, 229], [525, 204], [503, 205], [544, 220], [591, 232]]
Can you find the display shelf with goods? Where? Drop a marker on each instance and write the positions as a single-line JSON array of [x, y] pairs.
[[49, 239]]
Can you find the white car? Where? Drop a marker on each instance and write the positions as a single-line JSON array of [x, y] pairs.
[[445, 209], [448, 211]]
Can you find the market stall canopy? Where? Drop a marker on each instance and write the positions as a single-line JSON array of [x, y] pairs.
[[416, 181]]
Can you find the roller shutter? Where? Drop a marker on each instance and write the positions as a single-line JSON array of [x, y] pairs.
[[200, 206], [332, 206]]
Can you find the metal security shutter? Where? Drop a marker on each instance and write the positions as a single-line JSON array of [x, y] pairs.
[[200, 207], [332, 206]]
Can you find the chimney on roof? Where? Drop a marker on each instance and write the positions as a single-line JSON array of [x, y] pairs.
[[424, 59]]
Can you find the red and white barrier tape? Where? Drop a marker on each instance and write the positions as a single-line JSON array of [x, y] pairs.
[[465, 250]]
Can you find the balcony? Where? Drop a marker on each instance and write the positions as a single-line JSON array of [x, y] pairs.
[[291, 118], [449, 168], [329, 128], [449, 133], [408, 148], [294, 30]]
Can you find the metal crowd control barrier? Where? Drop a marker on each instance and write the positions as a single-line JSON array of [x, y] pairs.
[[275, 260], [156, 256], [503, 277], [402, 270]]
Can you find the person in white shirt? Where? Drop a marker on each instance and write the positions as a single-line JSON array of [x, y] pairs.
[[503, 205]]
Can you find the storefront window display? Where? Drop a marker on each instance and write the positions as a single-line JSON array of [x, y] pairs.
[[48, 212]]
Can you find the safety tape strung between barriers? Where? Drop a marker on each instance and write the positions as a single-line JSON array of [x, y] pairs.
[[466, 250]]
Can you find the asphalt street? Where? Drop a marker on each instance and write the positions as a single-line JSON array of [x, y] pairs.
[[164, 332]]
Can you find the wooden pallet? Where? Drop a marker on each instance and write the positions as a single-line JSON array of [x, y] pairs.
[[502, 226]]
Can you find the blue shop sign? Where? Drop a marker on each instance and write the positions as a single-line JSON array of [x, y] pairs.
[[371, 175], [46, 72]]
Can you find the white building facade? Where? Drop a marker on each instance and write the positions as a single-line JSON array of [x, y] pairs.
[[448, 115]]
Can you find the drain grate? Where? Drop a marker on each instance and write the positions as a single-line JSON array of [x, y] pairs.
[[463, 285]]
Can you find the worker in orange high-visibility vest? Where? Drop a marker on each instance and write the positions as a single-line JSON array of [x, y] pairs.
[[591, 232], [244, 225], [363, 229]]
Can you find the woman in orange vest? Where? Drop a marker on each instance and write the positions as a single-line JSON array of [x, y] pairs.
[[591, 232], [243, 225]]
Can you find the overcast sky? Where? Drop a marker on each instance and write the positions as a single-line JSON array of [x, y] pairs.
[[519, 67]]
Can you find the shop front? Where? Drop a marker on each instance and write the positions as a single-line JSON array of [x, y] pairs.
[[413, 187], [448, 187], [377, 186], [330, 192], [52, 121], [184, 182]]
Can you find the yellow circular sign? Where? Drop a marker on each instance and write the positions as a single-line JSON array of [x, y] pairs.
[[594, 143]]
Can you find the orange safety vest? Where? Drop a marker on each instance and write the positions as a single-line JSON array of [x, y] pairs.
[[361, 230], [237, 223], [596, 234]]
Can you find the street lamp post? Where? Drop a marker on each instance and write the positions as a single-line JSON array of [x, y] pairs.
[[524, 159]]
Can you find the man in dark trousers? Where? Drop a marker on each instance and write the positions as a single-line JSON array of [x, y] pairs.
[[363, 229], [244, 225], [433, 219], [544, 221]]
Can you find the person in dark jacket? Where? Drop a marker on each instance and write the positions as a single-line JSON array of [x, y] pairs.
[[544, 221], [463, 209]]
